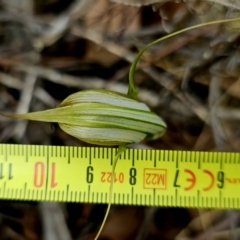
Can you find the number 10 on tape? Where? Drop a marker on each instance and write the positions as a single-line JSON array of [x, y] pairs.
[[142, 177]]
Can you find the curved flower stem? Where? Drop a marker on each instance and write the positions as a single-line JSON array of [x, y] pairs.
[[132, 91], [121, 149]]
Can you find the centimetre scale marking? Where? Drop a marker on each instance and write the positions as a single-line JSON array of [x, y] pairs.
[[142, 177]]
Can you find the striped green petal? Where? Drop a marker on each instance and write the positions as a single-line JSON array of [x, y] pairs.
[[107, 137], [104, 96]]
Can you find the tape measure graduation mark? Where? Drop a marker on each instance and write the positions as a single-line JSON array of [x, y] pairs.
[[142, 177]]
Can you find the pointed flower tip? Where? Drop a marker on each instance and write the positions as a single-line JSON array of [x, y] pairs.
[[11, 115], [102, 117], [45, 116]]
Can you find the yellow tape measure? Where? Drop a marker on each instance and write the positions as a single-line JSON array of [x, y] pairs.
[[142, 177]]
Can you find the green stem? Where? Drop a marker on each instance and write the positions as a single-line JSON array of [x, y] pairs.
[[121, 149], [132, 91]]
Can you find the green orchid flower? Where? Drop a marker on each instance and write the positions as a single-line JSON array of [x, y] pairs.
[[103, 118]]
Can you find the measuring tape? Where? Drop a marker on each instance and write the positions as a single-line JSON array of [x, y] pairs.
[[142, 177]]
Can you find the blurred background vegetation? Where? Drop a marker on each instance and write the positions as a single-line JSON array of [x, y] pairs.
[[52, 48]]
